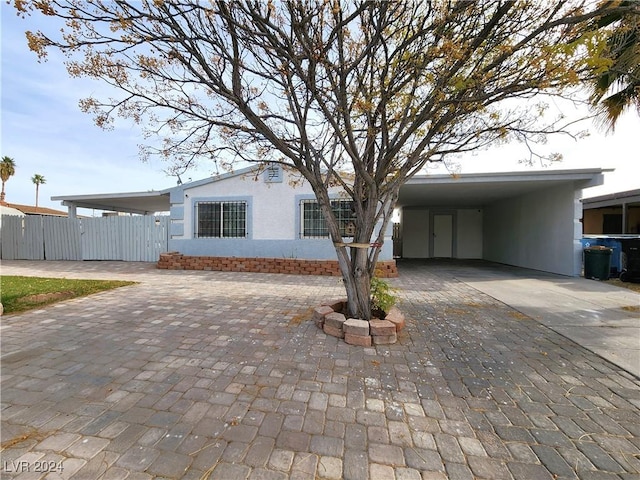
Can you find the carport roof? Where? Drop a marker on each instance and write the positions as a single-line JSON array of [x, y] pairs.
[[479, 189], [473, 190], [134, 202]]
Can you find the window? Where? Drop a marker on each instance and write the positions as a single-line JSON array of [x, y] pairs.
[[314, 224], [221, 219]]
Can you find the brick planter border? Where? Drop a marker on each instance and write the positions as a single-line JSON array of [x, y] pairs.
[[178, 261], [329, 318]]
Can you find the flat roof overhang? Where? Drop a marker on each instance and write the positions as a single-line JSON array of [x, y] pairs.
[[144, 203], [629, 198], [469, 190], [479, 189]]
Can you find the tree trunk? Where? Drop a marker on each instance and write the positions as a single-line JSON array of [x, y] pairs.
[[356, 267], [357, 263], [357, 282]]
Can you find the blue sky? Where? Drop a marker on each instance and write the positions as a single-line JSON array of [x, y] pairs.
[[45, 132]]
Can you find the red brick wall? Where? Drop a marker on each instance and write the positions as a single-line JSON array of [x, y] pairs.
[[177, 261]]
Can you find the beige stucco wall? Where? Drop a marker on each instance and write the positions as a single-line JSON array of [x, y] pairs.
[[593, 218]]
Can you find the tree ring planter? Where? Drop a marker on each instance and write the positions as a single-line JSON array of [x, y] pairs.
[[329, 318]]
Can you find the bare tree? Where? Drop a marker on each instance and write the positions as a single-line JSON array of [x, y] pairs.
[[360, 94]]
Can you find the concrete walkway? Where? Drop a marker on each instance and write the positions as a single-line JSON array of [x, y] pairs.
[[222, 375]]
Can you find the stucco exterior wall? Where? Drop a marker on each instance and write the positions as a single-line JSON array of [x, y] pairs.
[[593, 219], [541, 231], [272, 205], [469, 233], [273, 219], [416, 232]]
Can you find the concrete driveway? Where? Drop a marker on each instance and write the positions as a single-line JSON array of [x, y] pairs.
[[222, 375]]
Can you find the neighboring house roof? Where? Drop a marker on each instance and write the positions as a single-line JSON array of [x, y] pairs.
[[5, 210], [629, 197], [31, 210], [476, 189]]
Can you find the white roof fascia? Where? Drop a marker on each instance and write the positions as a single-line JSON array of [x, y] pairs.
[[100, 201], [548, 175]]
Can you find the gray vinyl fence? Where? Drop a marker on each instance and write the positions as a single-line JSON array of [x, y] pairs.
[[39, 237]]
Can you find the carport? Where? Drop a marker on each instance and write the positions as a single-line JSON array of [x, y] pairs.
[[142, 203], [525, 219]]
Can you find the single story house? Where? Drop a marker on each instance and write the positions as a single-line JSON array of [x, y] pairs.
[[527, 219], [613, 214]]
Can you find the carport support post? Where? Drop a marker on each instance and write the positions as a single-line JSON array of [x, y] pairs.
[[71, 210], [624, 217]]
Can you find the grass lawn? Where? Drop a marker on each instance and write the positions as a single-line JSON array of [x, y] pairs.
[[18, 294]]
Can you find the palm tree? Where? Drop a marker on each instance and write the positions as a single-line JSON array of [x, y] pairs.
[[38, 180], [618, 88], [7, 169]]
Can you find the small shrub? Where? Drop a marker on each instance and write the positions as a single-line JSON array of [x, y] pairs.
[[382, 297]]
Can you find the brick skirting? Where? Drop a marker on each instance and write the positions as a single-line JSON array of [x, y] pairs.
[[178, 261]]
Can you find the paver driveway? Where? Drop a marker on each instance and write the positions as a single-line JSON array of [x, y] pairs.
[[196, 374]]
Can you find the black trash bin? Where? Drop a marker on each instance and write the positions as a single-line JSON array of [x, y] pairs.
[[630, 259], [597, 262]]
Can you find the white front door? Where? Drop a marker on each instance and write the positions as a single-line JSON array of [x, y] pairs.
[[443, 236]]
